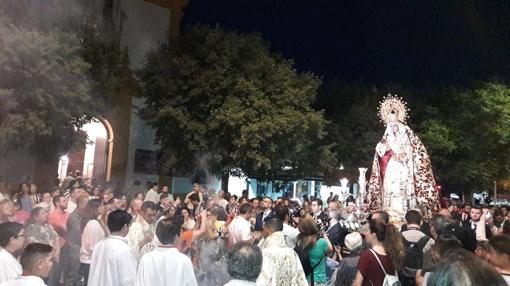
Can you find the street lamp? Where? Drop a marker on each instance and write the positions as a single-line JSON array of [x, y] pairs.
[[362, 184], [362, 180], [345, 189]]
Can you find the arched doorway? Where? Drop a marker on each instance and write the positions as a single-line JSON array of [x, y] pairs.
[[94, 159]]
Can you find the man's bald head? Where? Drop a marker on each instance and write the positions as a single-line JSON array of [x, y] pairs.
[[445, 212]]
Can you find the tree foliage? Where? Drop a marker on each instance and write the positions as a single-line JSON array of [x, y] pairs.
[[468, 136], [225, 96], [44, 92]]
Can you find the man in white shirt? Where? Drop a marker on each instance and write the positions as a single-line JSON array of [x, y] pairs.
[[113, 262], [289, 233], [194, 200], [197, 189], [221, 199], [165, 265], [280, 265], [152, 194], [37, 261], [11, 241], [142, 229], [244, 263], [240, 228]]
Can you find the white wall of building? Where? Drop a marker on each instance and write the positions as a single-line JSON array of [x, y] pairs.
[[145, 28]]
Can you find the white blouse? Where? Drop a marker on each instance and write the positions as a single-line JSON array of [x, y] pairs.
[[92, 234]]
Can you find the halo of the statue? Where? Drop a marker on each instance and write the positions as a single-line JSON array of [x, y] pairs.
[[392, 109]]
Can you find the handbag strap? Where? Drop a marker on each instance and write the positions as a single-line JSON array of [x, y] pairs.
[[313, 271], [380, 264], [313, 267]]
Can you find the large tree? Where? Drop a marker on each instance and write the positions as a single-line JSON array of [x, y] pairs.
[[468, 136], [224, 97], [44, 91]]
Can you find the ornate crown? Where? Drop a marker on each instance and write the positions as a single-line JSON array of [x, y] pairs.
[[393, 108]]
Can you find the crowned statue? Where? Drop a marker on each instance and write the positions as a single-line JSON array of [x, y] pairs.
[[401, 177]]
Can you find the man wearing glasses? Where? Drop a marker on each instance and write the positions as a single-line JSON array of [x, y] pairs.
[[11, 242]]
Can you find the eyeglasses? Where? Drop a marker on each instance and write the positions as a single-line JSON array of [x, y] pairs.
[[18, 236]]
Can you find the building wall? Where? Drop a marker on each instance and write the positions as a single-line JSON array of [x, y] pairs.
[[145, 27]]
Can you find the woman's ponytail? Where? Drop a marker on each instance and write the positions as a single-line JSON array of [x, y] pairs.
[[394, 246]]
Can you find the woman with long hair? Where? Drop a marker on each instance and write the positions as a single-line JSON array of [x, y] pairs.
[[212, 266], [140, 196], [24, 198], [189, 223], [94, 230], [310, 240], [387, 250], [216, 218], [32, 192]]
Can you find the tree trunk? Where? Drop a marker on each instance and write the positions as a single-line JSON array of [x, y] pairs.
[[224, 182]]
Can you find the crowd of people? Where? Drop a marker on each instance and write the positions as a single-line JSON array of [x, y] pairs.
[[81, 234]]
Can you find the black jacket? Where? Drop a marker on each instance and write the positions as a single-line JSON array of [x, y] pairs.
[[258, 220], [467, 225], [336, 234]]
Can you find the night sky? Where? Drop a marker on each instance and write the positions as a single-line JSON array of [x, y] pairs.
[[376, 42]]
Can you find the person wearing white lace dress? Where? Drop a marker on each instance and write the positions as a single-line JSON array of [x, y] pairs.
[[281, 265]]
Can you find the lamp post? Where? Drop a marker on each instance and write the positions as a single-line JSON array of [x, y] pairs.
[[362, 183], [345, 189]]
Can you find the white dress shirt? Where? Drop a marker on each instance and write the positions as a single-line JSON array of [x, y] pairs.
[[290, 233], [165, 267], [71, 206], [152, 196], [92, 234], [479, 228], [113, 263], [25, 281], [265, 214], [223, 203], [9, 266], [239, 230]]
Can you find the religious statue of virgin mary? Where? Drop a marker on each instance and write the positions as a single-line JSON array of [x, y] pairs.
[[401, 176]]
